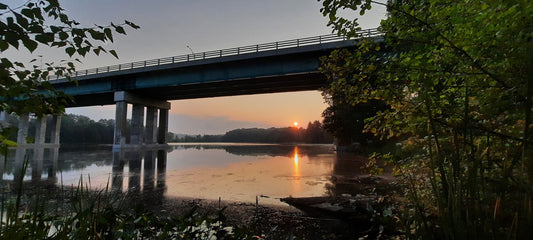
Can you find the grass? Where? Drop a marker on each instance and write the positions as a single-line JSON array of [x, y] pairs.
[[82, 213]]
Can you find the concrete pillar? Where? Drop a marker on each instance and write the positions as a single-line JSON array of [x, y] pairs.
[[40, 131], [38, 150], [120, 124], [151, 125], [20, 153], [37, 163], [163, 126], [137, 118], [20, 162], [55, 129], [52, 168], [23, 128], [122, 98]]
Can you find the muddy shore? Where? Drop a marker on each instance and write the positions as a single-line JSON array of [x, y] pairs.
[[342, 217]]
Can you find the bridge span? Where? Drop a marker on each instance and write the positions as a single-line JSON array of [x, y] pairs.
[[283, 66]]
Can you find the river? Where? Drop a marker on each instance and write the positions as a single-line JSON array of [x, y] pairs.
[[229, 171]]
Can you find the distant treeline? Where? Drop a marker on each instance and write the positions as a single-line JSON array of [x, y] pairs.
[[74, 129], [82, 129], [314, 133]]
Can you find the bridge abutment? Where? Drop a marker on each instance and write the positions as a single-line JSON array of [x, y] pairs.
[[140, 135]]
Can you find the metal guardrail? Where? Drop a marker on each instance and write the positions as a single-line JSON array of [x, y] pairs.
[[373, 32]]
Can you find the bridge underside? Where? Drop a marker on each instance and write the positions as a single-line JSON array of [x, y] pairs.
[[148, 89], [259, 85]]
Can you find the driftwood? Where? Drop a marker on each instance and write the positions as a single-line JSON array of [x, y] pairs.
[[359, 208]]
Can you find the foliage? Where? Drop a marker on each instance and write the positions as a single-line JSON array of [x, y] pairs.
[[39, 23], [314, 133], [81, 129], [458, 79], [80, 213]]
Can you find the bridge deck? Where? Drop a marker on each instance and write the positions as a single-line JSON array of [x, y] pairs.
[[265, 68]]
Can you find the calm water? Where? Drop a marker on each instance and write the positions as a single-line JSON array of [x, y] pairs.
[[235, 172]]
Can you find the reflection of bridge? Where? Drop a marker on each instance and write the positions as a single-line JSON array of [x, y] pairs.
[[148, 85], [146, 169]]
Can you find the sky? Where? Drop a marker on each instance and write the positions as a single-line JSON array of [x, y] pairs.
[[169, 28]]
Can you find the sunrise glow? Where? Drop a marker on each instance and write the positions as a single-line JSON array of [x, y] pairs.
[[295, 124]]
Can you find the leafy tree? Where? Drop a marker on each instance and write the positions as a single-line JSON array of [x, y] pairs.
[[315, 133], [458, 79], [44, 23]]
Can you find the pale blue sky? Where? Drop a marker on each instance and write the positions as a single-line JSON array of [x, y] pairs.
[[168, 27]]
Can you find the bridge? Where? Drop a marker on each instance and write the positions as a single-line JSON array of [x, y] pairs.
[[282, 66]]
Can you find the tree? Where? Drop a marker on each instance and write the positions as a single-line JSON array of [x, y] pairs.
[[315, 133], [43, 23], [458, 79]]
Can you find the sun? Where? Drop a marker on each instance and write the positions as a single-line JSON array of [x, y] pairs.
[[295, 124]]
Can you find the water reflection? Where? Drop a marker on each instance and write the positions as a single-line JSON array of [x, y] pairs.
[[145, 170], [35, 163], [234, 172]]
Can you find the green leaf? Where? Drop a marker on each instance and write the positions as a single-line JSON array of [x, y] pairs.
[[30, 44], [63, 36], [45, 38], [12, 38], [97, 35], [120, 30], [70, 51], [133, 25], [108, 34], [9, 143], [21, 20], [3, 45], [27, 12], [114, 53], [55, 29]]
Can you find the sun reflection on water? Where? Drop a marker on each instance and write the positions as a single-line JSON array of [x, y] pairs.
[[296, 174], [296, 157]]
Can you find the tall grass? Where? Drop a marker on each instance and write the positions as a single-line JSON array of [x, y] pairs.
[[82, 213]]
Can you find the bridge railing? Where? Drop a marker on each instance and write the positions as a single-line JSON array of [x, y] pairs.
[[317, 40]]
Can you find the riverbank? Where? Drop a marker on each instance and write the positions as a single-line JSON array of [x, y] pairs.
[[342, 217], [264, 221], [149, 213]]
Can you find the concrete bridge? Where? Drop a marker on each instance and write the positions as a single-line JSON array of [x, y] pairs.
[[283, 66]]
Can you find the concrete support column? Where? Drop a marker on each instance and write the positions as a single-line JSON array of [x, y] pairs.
[[37, 162], [55, 129], [52, 168], [40, 131], [120, 123], [151, 125], [23, 128], [122, 98], [163, 126], [137, 118], [20, 153]]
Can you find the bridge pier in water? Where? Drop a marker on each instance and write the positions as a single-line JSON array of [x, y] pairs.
[[35, 153], [150, 135]]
